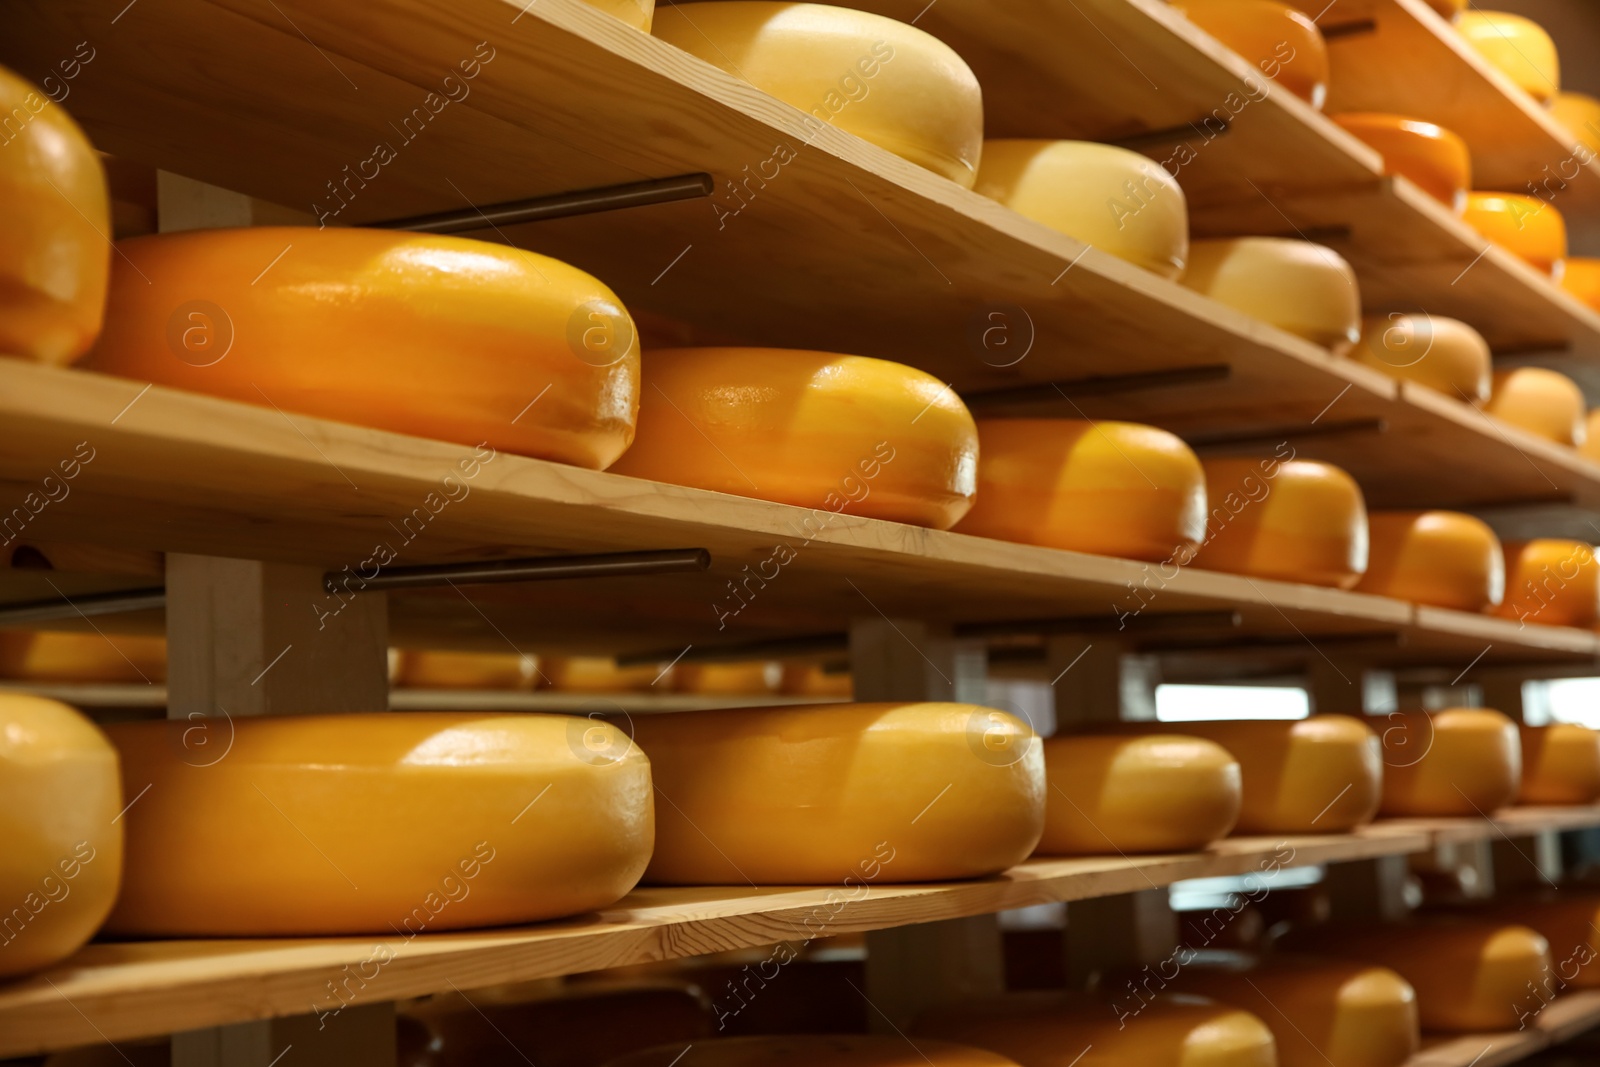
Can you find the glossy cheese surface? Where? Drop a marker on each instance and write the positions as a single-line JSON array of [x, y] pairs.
[[1112, 198], [1527, 227], [1156, 793], [1277, 40], [1579, 114], [636, 13], [1111, 488], [1560, 764], [814, 1050], [1445, 559], [1296, 521], [55, 222], [1517, 47], [1581, 278], [377, 823], [1317, 775], [440, 337], [1543, 402], [1568, 919], [1431, 350], [1551, 582], [1435, 158], [884, 81], [835, 433], [813, 794], [1461, 761], [1306, 289], [60, 794], [70, 656], [600, 674], [436, 669]]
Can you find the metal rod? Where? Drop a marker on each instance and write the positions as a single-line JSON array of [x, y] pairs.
[[1098, 385], [89, 604], [558, 206], [1353, 28], [1269, 434], [538, 569], [1189, 131], [1073, 624]]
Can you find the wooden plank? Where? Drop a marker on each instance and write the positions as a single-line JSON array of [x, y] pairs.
[[1506, 823], [1478, 1050]]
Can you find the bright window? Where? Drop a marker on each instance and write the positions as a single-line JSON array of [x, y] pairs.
[[1193, 703]]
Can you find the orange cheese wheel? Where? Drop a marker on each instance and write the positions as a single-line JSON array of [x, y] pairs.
[[1568, 920], [830, 432], [1282, 43], [71, 656], [1111, 488], [1469, 974], [435, 669], [440, 337], [636, 13], [1560, 764], [1551, 582], [1461, 761], [1303, 288], [814, 1050], [1579, 114], [884, 81], [1543, 402], [1581, 278], [1435, 158], [1440, 353], [815, 680], [1526, 226], [1440, 558], [378, 823], [868, 793], [1050, 1029], [60, 794], [1157, 793], [600, 674], [55, 225], [1296, 521], [752, 677], [1117, 200], [1517, 47], [1322, 1012]]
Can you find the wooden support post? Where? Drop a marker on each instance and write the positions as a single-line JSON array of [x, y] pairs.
[[1369, 889], [1526, 863], [185, 204], [1116, 933], [1095, 680], [1502, 691]]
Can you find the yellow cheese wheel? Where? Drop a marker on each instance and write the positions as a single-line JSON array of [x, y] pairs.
[[1466, 761], [1321, 775], [88, 657], [59, 798], [1579, 114], [440, 337], [1282, 43], [1551, 582], [1469, 974], [1306, 289], [1581, 278], [600, 674], [1435, 158], [376, 823], [1560, 764], [884, 81], [1296, 521], [814, 1050], [1050, 1029], [1517, 47], [1117, 200], [1112, 488], [1158, 793], [867, 793], [724, 679], [1322, 1012], [830, 432], [1440, 353], [1526, 226], [1568, 919], [1440, 558], [636, 13], [55, 225], [1543, 402], [815, 680], [435, 669]]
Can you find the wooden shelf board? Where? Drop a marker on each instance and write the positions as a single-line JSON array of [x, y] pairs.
[[1561, 1020], [1506, 823]]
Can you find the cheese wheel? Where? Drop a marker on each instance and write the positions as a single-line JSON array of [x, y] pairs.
[[814, 1050], [1159, 793], [1117, 200], [819, 430], [1050, 1029], [59, 798], [1322, 1012], [440, 337], [377, 823], [815, 680], [1590, 448], [600, 674], [1460, 761], [434, 669], [882, 80], [1440, 353], [753, 677], [1567, 919], [1303, 288], [1468, 974], [1440, 558], [1111, 488], [1543, 402], [1560, 764], [871, 793], [1435, 158], [85, 658], [1579, 114], [1551, 582], [1517, 47], [1581, 278], [1321, 775], [1526, 226], [1296, 521], [636, 13], [1284, 44], [55, 225]]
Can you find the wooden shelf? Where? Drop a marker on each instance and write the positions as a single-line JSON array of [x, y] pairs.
[[1563, 1019], [1509, 822]]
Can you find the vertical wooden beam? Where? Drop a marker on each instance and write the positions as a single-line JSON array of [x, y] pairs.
[[1086, 673], [1369, 889], [1118, 933], [1502, 691]]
